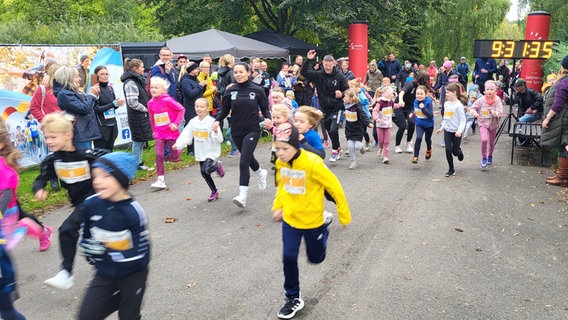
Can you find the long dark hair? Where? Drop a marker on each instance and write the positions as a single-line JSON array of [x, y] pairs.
[[458, 89], [423, 79]]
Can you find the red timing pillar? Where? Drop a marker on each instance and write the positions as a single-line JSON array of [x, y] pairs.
[[358, 48], [537, 28]]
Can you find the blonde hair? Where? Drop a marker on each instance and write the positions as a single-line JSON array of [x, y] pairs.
[[278, 89], [290, 94], [10, 154], [49, 74], [278, 94], [58, 122], [160, 82], [314, 115], [352, 95], [226, 60], [66, 77], [282, 109], [202, 100]]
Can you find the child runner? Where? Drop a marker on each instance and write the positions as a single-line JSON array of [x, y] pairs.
[[424, 113], [72, 166], [207, 144], [166, 114], [9, 214], [280, 114], [115, 240], [302, 179], [290, 96], [382, 114], [356, 123], [469, 119], [305, 120], [355, 85], [453, 123], [487, 110]]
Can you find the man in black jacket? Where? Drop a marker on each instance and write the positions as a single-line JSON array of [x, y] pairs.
[[330, 85], [528, 101]]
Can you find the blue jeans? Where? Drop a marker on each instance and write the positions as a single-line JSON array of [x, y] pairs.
[[316, 244], [85, 145], [528, 118], [137, 148]]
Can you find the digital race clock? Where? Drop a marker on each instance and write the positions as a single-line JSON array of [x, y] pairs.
[[510, 49]]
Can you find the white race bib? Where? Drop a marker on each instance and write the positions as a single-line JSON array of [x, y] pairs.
[[73, 172], [350, 116]]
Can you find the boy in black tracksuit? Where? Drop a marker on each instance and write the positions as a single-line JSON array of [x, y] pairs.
[[72, 167]]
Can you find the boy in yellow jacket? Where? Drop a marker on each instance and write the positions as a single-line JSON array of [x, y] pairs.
[[302, 179]]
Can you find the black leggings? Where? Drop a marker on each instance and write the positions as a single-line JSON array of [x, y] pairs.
[[331, 122], [452, 147], [246, 145], [419, 133], [68, 236], [401, 119], [207, 177]]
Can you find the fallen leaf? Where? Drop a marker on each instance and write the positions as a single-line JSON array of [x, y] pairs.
[[188, 199], [170, 220], [458, 229]]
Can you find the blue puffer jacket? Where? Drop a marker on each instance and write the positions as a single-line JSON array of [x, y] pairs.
[[81, 106]]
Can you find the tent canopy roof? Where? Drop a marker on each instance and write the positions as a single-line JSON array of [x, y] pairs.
[[217, 43], [293, 45]]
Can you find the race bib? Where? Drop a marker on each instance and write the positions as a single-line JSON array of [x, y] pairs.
[[293, 181], [73, 172], [350, 116], [448, 114], [420, 114], [114, 240], [161, 119], [485, 113], [110, 114], [387, 112], [200, 134]]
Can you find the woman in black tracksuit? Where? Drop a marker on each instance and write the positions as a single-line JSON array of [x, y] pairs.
[[243, 100], [105, 109]]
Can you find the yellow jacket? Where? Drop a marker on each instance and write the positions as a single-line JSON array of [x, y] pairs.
[[300, 192], [210, 89]]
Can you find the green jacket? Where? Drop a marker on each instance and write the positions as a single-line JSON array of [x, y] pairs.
[[557, 132]]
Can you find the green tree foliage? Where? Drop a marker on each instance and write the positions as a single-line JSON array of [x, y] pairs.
[[454, 25], [558, 10], [76, 21]]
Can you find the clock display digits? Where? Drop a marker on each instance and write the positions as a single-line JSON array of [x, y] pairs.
[[509, 49], [547, 49], [534, 49], [496, 48]]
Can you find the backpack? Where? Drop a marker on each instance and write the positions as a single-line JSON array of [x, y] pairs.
[[149, 76]]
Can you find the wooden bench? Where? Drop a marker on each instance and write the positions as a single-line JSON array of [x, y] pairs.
[[528, 131]]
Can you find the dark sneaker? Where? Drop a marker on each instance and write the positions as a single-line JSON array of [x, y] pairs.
[[290, 308], [460, 156], [450, 173], [428, 154], [489, 160]]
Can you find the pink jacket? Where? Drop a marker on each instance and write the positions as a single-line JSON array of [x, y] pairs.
[[488, 115], [163, 111]]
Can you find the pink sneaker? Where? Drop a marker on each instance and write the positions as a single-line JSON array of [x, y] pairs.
[[45, 239], [213, 196], [220, 169]]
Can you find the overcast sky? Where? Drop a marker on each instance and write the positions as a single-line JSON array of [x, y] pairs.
[[512, 14]]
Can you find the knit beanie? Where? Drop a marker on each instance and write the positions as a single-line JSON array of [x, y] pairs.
[[192, 66], [565, 62], [286, 132], [121, 165]]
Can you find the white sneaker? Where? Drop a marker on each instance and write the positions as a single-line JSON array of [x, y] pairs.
[[386, 160], [353, 165], [363, 149], [262, 179], [240, 200], [397, 149], [158, 185], [327, 217], [62, 280], [368, 146], [410, 147], [145, 168]]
